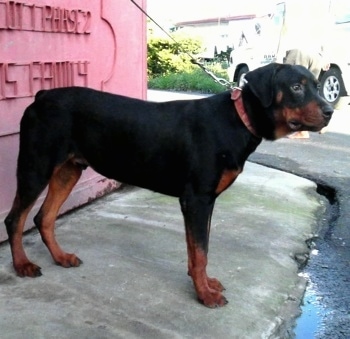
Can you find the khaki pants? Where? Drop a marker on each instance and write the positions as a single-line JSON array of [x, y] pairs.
[[312, 61]]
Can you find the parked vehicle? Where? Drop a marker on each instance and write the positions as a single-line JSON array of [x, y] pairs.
[[335, 82], [260, 42]]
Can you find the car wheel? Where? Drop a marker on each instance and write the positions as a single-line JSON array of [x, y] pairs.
[[241, 74], [331, 86]]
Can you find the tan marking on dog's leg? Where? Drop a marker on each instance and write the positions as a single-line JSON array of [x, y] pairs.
[[208, 289], [61, 184], [22, 265]]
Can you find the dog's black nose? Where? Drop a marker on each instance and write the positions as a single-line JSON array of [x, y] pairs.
[[327, 111]]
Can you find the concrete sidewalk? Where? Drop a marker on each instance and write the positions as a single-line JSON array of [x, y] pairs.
[[134, 283]]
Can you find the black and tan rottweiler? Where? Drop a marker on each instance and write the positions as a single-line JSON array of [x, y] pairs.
[[190, 149]]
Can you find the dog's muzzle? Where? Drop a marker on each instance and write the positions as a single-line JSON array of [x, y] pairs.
[[327, 111]]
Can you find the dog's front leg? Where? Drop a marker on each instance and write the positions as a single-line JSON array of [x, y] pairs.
[[197, 212]]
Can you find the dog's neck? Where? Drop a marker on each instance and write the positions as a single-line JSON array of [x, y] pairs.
[[236, 96]]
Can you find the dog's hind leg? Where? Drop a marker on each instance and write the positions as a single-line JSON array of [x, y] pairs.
[[63, 180], [29, 187], [42, 147]]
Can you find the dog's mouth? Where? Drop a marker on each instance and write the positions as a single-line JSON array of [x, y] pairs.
[[294, 125]]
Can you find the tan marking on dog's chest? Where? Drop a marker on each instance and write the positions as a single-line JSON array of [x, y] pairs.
[[226, 179]]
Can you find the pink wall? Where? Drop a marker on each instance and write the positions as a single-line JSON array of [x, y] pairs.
[[57, 43]]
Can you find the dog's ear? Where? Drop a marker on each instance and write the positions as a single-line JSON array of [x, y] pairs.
[[260, 82]]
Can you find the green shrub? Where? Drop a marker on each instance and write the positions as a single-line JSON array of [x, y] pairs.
[[164, 56], [169, 65]]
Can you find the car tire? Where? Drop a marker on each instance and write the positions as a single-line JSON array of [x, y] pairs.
[[331, 86], [241, 74]]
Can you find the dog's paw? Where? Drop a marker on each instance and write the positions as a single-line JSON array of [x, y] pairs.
[[28, 269], [215, 285], [68, 260], [213, 300]]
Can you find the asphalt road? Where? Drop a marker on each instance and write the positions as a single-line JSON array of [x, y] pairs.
[[325, 159]]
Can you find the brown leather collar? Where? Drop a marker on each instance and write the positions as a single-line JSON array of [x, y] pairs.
[[236, 96]]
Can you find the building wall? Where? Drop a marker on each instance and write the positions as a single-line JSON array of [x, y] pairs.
[[57, 43]]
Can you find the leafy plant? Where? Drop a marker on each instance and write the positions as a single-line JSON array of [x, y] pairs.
[[166, 57], [169, 65]]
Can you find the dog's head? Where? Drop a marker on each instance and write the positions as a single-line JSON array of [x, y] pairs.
[[291, 92]]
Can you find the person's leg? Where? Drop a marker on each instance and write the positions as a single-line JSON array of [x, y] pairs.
[[315, 65]]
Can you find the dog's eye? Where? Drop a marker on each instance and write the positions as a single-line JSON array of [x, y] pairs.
[[297, 87]]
